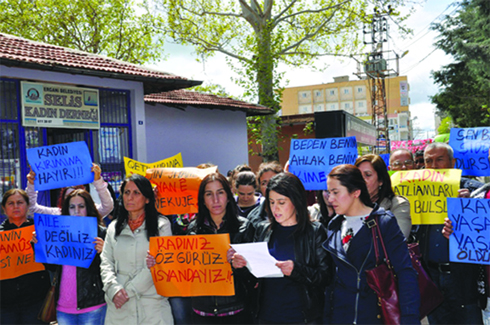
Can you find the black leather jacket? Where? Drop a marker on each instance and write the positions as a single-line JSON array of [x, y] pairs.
[[89, 282], [224, 304], [311, 268]]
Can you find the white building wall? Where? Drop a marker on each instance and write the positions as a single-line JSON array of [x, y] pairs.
[[201, 135]]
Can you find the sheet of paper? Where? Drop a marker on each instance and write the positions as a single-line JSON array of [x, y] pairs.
[[260, 263]]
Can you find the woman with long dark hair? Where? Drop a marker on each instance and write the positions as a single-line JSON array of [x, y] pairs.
[[130, 293], [378, 182], [349, 299], [296, 242], [79, 295], [218, 214]]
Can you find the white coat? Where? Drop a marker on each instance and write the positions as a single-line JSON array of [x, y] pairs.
[[124, 266]]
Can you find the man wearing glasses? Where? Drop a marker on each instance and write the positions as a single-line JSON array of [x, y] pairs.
[[401, 159]]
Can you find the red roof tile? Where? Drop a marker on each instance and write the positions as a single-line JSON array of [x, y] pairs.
[[186, 97], [16, 51]]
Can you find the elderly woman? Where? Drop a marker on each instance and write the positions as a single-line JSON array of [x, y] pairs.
[[23, 296], [129, 290], [378, 183], [296, 243]]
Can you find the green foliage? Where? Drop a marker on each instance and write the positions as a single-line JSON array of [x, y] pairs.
[[309, 128], [465, 84], [446, 125], [119, 29], [258, 35], [213, 89]]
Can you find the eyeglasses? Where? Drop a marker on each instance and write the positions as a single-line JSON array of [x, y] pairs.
[[406, 163]]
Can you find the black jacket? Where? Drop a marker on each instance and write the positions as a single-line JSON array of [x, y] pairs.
[[242, 278], [27, 288], [311, 268], [89, 282]]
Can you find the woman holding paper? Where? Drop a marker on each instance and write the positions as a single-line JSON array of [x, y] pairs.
[[296, 243], [22, 296], [129, 290], [79, 295], [378, 183], [106, 203]]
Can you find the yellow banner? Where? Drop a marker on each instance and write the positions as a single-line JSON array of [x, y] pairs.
[[427, 190], [189, 266], [177, 188], [135, 167], [16, 254]]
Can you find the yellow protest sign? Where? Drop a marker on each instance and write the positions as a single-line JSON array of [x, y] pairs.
[[16, 255], [177, 188], [189, 266], [135, 167], [427, 190]]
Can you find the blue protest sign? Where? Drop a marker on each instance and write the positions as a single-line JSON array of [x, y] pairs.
[[312, 159], [65, 240], [61, 165], [470, 241], [470, 147], [386, 158]]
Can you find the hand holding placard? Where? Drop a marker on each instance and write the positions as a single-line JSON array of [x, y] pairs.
[[61, 165]]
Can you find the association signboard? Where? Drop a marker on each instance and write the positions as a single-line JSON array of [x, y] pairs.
[[59, 106]]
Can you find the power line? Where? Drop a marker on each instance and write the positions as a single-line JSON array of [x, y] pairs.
[[420, 61]]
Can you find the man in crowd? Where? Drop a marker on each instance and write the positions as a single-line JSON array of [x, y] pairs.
[[419, 159], [401, 159], [457, 281]]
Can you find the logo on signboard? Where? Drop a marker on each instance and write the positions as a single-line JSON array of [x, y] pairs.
[[90, 98], [34, 94]]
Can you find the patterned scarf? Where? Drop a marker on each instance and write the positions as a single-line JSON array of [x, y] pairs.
[[136, 223]]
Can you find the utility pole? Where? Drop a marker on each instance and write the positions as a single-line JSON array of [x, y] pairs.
[[376, 70]]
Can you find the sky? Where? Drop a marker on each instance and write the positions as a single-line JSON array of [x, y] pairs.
[[421, 59]]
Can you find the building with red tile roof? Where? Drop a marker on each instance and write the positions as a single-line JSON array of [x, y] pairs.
[[51, 94]]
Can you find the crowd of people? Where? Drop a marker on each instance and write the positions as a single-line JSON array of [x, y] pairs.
[[323, 250]]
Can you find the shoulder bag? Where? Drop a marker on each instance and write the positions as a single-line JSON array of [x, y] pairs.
[[382, 280], [47, 314]]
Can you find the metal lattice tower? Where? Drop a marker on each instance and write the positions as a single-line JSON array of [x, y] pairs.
[[376, 70]]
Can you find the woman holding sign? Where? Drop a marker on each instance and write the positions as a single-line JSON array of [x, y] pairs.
[[218, 214], [130, 293], [349, 299], [79, 295], [106, 203], [296, 243], [378, 183], [21, 296]]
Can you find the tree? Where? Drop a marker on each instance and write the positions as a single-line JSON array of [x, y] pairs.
[[109, 27], [465, 84], [446, 125], [260, 35]]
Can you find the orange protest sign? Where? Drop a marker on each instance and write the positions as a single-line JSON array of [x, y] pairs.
[[16, 255], [189, 266], [177, 188]]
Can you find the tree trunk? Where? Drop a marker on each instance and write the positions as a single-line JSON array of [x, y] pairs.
[[265, 70]]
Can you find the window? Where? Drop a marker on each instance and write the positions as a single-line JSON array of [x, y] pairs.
[[318, 93], [346, 91], [359, 89], [346, 105], [332, 92], [361, 104]]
